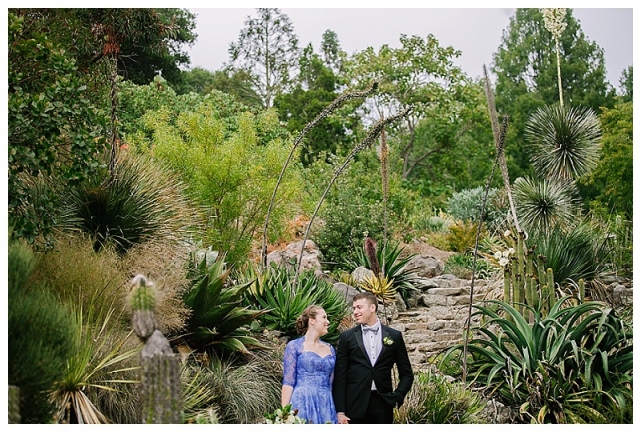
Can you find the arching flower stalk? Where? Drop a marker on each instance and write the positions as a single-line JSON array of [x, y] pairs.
[[340, 100], [373, 133]]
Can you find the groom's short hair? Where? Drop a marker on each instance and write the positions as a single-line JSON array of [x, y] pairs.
[[368, 296]]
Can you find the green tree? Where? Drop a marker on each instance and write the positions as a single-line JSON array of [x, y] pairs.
[[267, 49], [625, 83], [146, 42], [420, 74], [610, 184], [236, 83], [314, 91], [54, 129], [525, 65]]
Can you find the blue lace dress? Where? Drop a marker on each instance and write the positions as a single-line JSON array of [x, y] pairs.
[[311, 376]]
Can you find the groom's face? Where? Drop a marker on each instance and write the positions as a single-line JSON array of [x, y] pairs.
[[364, 312]]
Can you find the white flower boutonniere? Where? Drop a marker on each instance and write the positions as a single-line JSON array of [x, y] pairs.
[[387, 341]]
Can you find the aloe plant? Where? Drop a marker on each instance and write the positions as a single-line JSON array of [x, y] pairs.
[[396, 270], [218, 321]]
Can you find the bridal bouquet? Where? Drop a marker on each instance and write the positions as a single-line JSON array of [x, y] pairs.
[[284, 415]]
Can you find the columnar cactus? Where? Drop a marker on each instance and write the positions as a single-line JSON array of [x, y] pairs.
[[526, 280], [142, 300]]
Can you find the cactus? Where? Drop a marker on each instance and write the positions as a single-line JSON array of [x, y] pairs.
[[525, 283], [160, 392], [142, 300]]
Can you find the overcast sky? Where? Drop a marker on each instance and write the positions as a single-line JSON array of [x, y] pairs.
[[475, 32]]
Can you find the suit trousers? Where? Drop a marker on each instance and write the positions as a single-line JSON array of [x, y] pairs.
[[378, 411]]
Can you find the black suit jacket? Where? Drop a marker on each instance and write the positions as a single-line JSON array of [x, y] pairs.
[[353, 373]]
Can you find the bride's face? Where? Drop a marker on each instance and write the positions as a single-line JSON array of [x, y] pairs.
[[320, 322]]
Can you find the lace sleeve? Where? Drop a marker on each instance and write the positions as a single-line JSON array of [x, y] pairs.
[[331, 376], [289, 364]]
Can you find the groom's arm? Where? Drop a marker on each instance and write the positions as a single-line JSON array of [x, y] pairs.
[[405, 373]]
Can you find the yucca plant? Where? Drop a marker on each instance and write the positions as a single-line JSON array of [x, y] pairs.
[[218, 321], [544, 204], [434, 399], [140, 201], [101, 361], [273, 292], [396, 270], [565, 141], [574, 364]]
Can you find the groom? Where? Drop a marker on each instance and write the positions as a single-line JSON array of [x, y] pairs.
[[366, 353]]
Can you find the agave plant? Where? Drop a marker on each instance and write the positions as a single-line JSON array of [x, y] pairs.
[[218, 321], [395, 270], [544, 204], [565, 141], [274, 293], [573, 365]]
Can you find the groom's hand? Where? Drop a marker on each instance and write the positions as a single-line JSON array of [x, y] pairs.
[[342, 418]]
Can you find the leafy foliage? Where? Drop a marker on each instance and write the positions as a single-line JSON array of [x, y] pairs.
[[461, 264], [54, 129], [218, 321], [433, 399], [609, 185], [466, 205], [219, 154], [574, 365]]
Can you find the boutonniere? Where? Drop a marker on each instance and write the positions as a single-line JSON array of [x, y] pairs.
[[387, 341]]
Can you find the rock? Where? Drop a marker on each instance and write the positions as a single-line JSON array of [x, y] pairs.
[[312, 256], [425, 266], [348, 291], [361, 273]]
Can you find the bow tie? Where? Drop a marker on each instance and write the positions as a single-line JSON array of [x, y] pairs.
[[367, 328]]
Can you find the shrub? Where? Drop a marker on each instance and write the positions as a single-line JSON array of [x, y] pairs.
[[466, 206], [460, 265], [462, 236], [434, 399], [140, 202], [39, 337]]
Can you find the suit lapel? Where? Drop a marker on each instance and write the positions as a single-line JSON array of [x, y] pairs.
[[384, 334], [358, 334]]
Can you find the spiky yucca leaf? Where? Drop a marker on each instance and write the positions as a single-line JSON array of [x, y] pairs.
[[565, 141], [544, 204]]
